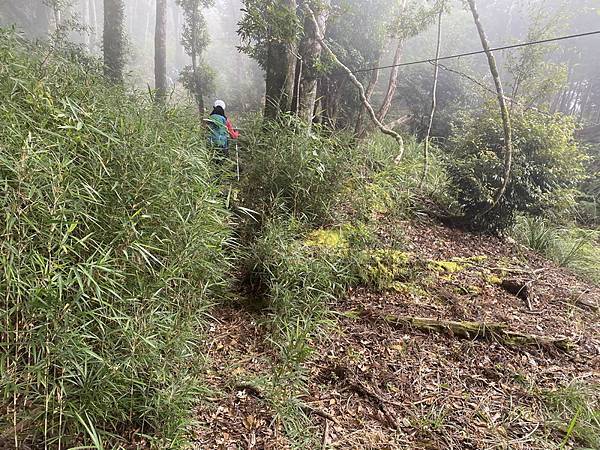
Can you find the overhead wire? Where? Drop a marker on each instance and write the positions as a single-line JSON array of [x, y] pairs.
[[478, 52]]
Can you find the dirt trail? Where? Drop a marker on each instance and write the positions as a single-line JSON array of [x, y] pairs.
[[399, 388]]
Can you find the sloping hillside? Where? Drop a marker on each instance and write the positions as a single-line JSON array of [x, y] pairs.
[[377, 382]]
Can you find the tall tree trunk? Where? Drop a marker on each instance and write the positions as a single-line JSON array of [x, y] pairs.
[[436, 72], [85, 16], [197, 85], [503, 109], [281, 70], [310, 51], [393, 82], [160, 51], [586, 101], [93, 21], [114, 40], [57, 16], [359, 128], [557, 100]]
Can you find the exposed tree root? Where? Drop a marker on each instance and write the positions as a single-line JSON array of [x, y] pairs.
[[354, 384], [255, 391], [522, 289], [479, 331]]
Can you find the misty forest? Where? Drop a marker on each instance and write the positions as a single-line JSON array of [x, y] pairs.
[[300, 224]]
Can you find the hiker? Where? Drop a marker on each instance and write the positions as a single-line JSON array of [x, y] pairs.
[[221, 129]]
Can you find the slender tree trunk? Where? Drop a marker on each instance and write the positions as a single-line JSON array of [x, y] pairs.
[[436, 72], [85, 16], [392, 84], [57, 16], [359, 128], [310, 51], [586, 101], [160, 51], [503, 109], [577, 103], [556, 102], [281, 70], [197, 85], [93, 21], [147, 29], [114, 40]]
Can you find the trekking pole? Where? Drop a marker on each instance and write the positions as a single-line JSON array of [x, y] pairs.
[[237, 160]]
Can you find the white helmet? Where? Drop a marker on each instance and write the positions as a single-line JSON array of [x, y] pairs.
[[220, 103]]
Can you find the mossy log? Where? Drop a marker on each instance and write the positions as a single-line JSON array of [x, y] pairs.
[[480, 331]]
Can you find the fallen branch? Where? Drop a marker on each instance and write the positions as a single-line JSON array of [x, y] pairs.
[[586, 304], [478, 331], [309, 409], [363, 96]]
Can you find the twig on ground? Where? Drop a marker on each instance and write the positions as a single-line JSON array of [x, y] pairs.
[[325, 442]]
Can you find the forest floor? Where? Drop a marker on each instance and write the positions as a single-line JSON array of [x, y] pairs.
[[374, 384]]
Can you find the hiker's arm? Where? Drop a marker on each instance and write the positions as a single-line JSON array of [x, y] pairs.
[[232, 132]]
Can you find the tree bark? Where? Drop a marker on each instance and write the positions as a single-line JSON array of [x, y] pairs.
[[393, 81], [359, 129], [160, 52], [85, 16], [114, 40], [310, 52], [93, 21], [197, 85], [586, 101], [503, 109], [392, 84], [436, 72], [281, 71]]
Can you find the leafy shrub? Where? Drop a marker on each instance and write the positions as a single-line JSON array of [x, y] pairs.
[[588, 207], [547, 167], [111, 249], [304, 171]]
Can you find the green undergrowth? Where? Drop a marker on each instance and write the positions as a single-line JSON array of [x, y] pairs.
[[111, 252], [574, 413], [569, 246], [320, 177]]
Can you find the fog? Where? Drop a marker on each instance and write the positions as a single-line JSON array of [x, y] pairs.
[[240, 80]]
